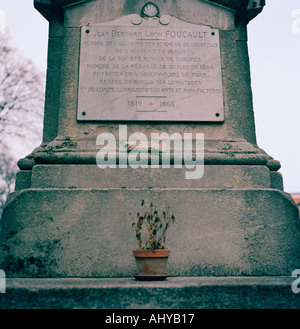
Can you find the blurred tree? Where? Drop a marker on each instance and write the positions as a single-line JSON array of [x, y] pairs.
[[21, 111]]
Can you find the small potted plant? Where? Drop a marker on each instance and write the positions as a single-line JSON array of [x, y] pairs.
[[150, 230]]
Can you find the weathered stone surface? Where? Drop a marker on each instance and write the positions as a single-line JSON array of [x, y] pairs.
[[23, 180], [197, 12], [51, 111], [276, 180], [90, 176], [87, 232], [175, 293]]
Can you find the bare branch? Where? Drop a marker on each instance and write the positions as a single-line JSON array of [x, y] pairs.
[[21, 110]]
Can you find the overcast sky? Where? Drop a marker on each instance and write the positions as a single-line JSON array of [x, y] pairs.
[[274, 47]]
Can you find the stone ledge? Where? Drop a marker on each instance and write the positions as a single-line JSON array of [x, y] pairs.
[[174, 293], [90, 176]]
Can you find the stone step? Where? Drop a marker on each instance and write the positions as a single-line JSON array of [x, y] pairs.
[[173, 293]]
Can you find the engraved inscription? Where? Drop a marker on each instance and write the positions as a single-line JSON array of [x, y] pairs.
[[152, 74]]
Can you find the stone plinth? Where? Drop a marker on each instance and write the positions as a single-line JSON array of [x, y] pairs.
[[69, 218], [86, 232]]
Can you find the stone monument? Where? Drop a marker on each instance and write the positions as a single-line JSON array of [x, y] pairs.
[[123, 67]]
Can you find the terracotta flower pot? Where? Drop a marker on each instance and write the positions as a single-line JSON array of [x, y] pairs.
[[151, 264]]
